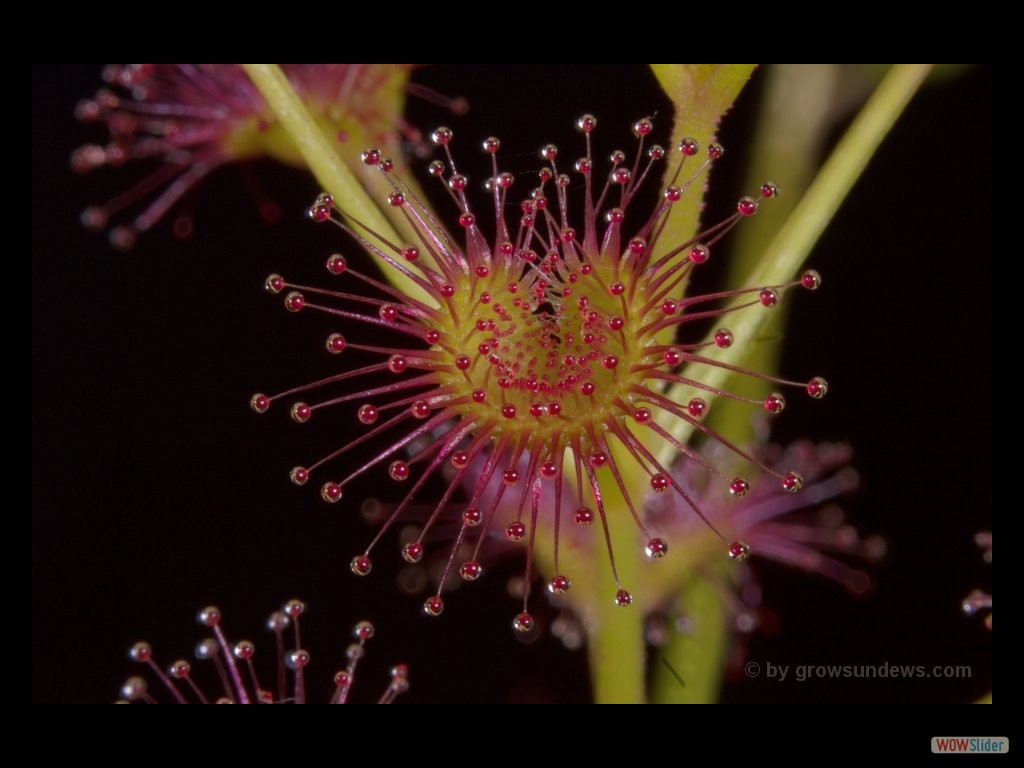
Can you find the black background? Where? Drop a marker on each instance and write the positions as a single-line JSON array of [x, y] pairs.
[[156, 490]]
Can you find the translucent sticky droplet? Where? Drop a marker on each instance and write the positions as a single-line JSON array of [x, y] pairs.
[[294, 301], [412, 552], [336, 264], [433, 606], [331, 492], [244, 650], [335, 343], [559, 585], [811, 280], [134, 688], [141, 651], [699, 254], [739, 487], [523, 622], [586, 123], [656, 549], [297, 659], [817, 387], [472, 516], [688, 147], [470, 570], [301, 412], [792, 482], [738, 550], [274, 283], [206, 649], [747, 206]]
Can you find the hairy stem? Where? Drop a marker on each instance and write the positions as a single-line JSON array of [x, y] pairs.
[[787, 252], [322, 159]]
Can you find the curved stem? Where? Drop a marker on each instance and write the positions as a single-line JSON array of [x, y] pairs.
[[786, 253], [332, 174]]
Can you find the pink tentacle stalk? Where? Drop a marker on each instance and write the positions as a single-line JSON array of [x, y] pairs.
[[194, 118], [240, 683]]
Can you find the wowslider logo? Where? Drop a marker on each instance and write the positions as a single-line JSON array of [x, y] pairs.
[[977, 745]]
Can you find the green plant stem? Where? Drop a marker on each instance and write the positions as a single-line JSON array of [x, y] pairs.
[[787, 252], [618, 655], [332, 174], [701, 94], [688, 670]]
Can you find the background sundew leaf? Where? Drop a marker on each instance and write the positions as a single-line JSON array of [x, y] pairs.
[[185, 122], [361, 196]]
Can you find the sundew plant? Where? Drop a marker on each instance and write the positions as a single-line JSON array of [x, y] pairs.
[[532, 394]]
